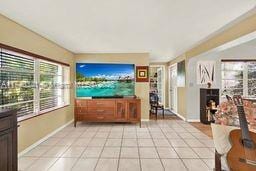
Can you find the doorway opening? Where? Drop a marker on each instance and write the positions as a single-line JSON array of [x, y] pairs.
[[173, 88], [157, 81]]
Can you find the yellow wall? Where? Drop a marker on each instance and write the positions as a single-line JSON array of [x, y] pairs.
[[141, 89], [181, 101], [17, 36]]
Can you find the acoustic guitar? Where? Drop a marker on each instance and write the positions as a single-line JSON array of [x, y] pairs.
[[242, 155]]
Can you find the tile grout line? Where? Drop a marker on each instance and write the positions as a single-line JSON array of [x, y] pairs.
[[158, 125], [100, 152], [180, 157], [120, 149], [64, 152], [81, 153], [201, 159], [156, 148], [138, 147], [57, 158]]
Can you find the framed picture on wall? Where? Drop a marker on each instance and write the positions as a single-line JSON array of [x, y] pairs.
[[142, 74], [205, 72]]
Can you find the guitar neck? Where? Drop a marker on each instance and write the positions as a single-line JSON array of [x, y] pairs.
[[243, 123]]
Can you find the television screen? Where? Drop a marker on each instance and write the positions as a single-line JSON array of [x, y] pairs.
[[104, 80]]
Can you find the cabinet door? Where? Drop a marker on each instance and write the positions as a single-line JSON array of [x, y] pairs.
[[80, 109], [6, 152], [133, 110], [121, 110]]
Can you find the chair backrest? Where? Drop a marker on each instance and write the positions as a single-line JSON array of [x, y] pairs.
[[153, 98]]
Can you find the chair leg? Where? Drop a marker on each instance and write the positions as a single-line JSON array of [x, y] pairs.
[[217, 161], [156, 113], [163, 113]]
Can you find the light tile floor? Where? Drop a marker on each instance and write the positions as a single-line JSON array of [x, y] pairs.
[[158, 145]]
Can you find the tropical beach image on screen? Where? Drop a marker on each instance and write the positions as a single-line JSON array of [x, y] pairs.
[[100, 80]]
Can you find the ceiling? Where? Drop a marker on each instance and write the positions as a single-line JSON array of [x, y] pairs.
[[164, 28]]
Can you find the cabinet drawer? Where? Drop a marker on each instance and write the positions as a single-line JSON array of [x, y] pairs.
[[5, 123], [101, 111], [81, 110], [101, 103], [97, 118], [81, 103]]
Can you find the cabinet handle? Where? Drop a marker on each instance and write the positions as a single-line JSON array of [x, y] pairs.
[[100, 110], [100, 117]]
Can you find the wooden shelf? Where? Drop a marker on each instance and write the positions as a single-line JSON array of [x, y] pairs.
[[205, 96]]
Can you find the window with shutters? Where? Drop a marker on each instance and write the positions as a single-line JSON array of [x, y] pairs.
[[33, 85], [252, 78], [50, 90], [239, 78]]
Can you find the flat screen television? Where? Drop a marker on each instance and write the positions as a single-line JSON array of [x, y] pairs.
[[104, 80]]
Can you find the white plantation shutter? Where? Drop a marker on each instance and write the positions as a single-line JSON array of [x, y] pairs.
[[31, 84], [50, 81], [16, 80]]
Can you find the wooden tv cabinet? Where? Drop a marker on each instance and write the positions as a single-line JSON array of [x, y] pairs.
[[108, 110]]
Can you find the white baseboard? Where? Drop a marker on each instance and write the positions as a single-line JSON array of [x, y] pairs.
[[44, 138], [193, 120], [144, 120], [180, 116]]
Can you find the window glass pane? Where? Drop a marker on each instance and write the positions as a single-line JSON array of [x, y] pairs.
[[48, 103], [24, 108], [227, 84], [16, 62], [251, 70], [232, 92], [49, 85], [232, 78], [17, 82], [252, 87], [251, 65], [50, 81], [251, 83], [251, 79], [232, 66], [232, 75], [251, 74], [48, 68], [252, 92]]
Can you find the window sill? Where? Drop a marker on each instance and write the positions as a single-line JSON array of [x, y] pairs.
[[33, 115]]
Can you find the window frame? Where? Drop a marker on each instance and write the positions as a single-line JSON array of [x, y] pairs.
[[65, 100]]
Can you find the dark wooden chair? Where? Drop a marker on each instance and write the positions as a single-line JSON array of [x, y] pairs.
[[155, 105]]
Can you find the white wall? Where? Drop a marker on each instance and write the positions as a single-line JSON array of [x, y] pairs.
[[244, 51]]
